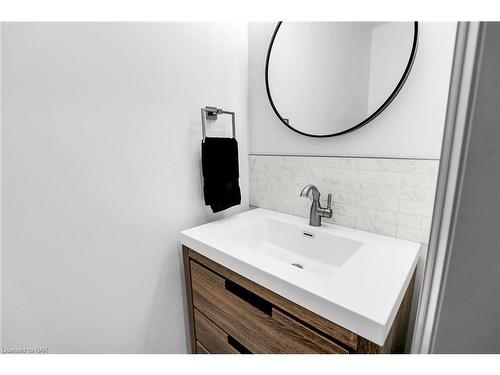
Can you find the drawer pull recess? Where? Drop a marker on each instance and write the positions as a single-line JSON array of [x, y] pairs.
[[235, 344], [249, 297]]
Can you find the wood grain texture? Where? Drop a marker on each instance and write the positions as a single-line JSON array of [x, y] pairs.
[[300, 335], [300, 331], [341, 334], [254, 329], [189, 296], [211, 337], [200, 349]]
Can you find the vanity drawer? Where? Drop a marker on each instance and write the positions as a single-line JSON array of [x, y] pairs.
[[251, 320], [328, 328], [200, 349], [212, 338], [301, 332]]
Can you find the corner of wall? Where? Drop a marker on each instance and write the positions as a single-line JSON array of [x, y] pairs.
[[1, 23]]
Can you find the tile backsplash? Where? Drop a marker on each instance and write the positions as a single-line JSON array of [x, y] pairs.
[[393, 197]]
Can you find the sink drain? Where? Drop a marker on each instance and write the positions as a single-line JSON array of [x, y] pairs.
[[298, 265]]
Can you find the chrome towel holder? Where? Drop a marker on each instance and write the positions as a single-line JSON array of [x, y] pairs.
[[211, 113]]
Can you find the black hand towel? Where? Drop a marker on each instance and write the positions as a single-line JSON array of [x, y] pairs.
[[219, 159]]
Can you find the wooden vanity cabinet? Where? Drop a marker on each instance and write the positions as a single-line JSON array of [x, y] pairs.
[[230, 314]]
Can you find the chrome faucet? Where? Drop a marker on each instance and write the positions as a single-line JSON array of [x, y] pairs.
[[317, 212]]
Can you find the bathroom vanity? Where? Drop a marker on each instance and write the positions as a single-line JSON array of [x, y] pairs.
[[266, 282]]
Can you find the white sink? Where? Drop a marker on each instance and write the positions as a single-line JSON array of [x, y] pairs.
[[317, 252], [354, 278]]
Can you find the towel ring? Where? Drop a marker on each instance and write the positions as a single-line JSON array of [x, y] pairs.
[[211, 113]]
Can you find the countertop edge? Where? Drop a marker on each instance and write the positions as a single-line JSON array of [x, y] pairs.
[[351, 320]]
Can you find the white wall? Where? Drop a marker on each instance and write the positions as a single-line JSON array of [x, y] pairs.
[[100, 157], [411, 127], [293, 52]]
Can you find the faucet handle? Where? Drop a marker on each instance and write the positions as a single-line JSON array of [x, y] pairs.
[[329, 201]]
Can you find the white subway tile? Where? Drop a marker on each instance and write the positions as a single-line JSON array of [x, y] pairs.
[[339, 185], [324, 185], [383, 165], [391, 165], [259, 168], [306, 171], [388, 217], [352, 163], [346, 221], [292, 200], [387, 196], [324, 162], [416, 208], [282, 169], [415, 194], [264, 204], [259, 194], [430, 196], [259, 202], [420, 166], [434, 167], [382, 203], [389, 191], [385, 178], [259, 185], [355, 211], [341, 174], [413, 234], [301, 211], [286, 208], [295, 160], [341, 197], [413, 221], [376, 227], [419, 180], [371, 164]]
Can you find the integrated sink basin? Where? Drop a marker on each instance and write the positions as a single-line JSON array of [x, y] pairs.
[[315, 251], [354, 278]]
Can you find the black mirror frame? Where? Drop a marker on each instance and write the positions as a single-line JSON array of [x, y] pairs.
[[386, 103]]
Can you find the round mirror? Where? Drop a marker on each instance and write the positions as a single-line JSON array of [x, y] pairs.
[[325, 79]]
